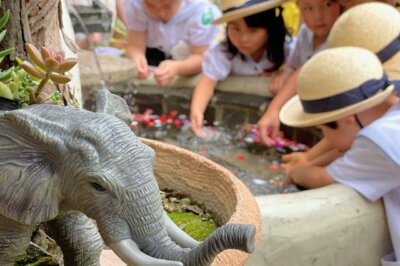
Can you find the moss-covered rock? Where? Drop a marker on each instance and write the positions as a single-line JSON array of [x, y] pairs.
[[193, 224]]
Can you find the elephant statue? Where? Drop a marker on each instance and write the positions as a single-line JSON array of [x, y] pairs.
[[65, 167]]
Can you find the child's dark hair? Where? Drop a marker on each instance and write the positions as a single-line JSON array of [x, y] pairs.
[[272, 21]]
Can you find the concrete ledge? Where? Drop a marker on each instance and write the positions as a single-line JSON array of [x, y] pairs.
[[333, 225], [121, 70], [237, 84], [115, 69]]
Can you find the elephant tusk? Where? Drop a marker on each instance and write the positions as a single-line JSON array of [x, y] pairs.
[[128, 251], [178, 235]]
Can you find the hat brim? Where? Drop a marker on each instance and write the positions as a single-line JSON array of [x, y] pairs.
[[247, 11], [292, 113]]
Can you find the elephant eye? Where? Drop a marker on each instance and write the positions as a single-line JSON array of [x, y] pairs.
[[98, 187]]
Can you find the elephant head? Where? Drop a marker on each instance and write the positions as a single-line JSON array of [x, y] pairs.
[[55, 159]]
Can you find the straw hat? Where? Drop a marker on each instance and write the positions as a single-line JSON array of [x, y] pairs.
[[234, 9], [329, 87], [373, 26]]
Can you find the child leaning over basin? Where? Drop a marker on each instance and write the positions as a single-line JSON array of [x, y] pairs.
[[346, 93], [373, 26], [169, 34], [319, 17], [254, 44]]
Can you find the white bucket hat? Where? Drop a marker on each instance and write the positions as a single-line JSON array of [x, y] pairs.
[[373, 26], [234, 9], [335, 83]]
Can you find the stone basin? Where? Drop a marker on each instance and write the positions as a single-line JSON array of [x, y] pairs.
[[209, 185]]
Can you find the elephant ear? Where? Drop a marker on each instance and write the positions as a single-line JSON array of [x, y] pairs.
[[29, 191], [109, 103]]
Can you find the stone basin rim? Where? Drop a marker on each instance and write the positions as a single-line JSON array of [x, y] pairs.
[[219, 186]]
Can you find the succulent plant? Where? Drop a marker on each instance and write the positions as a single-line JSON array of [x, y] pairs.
[[24, 83], [47, 66]]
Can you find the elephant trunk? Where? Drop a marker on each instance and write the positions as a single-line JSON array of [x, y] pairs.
[[149, 234], [229, 236]]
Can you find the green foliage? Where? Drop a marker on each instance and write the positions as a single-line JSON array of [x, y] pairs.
[[193, 224], [3, 23], [25, 82], [20, 85], [35, 261], [47, 66]]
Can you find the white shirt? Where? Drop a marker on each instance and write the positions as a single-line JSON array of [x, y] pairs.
[[303, 48], [372, 167], [217, 66], [191, 25]]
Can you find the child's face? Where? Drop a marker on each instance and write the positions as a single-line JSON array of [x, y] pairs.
[[340, 134], [319, 15], [162, 10], [249, 41]]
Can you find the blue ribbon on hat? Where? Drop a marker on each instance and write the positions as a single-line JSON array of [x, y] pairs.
[[247, 4], [396, 84], [347, 98], [391, 49]]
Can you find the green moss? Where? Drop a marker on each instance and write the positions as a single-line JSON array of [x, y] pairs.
[[42, 261], [193, 224]]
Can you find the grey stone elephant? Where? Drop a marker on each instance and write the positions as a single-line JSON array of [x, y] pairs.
[[64, 166]]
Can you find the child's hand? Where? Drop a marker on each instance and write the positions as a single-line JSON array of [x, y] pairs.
[[278, 81], [294, 176], [294, 159], [143, 70], [165, 72], [265, 74], [269, 122], [196, 123]]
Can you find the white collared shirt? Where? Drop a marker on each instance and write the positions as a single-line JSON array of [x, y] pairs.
[[217, 65], [303, 48], [372, 167], [191, 25]]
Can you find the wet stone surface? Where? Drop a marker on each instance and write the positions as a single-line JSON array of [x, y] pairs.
[[226, 144], [237, 149]]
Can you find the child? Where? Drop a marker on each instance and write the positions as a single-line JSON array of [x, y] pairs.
[[373, 26], [254, 45], [346, 92], [163, 29], [319, 17]]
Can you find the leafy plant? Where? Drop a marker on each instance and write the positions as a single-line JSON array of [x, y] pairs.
[[4, 74], [47, 66], [25, 83], [3, 23]]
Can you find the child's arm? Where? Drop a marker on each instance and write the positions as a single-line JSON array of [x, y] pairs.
[[279, 80], [326, 157], [135, 50], [168, 69], [298, 158], [313, 174], [201, 96], [120, 8], [309, 176], [270, 120]]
